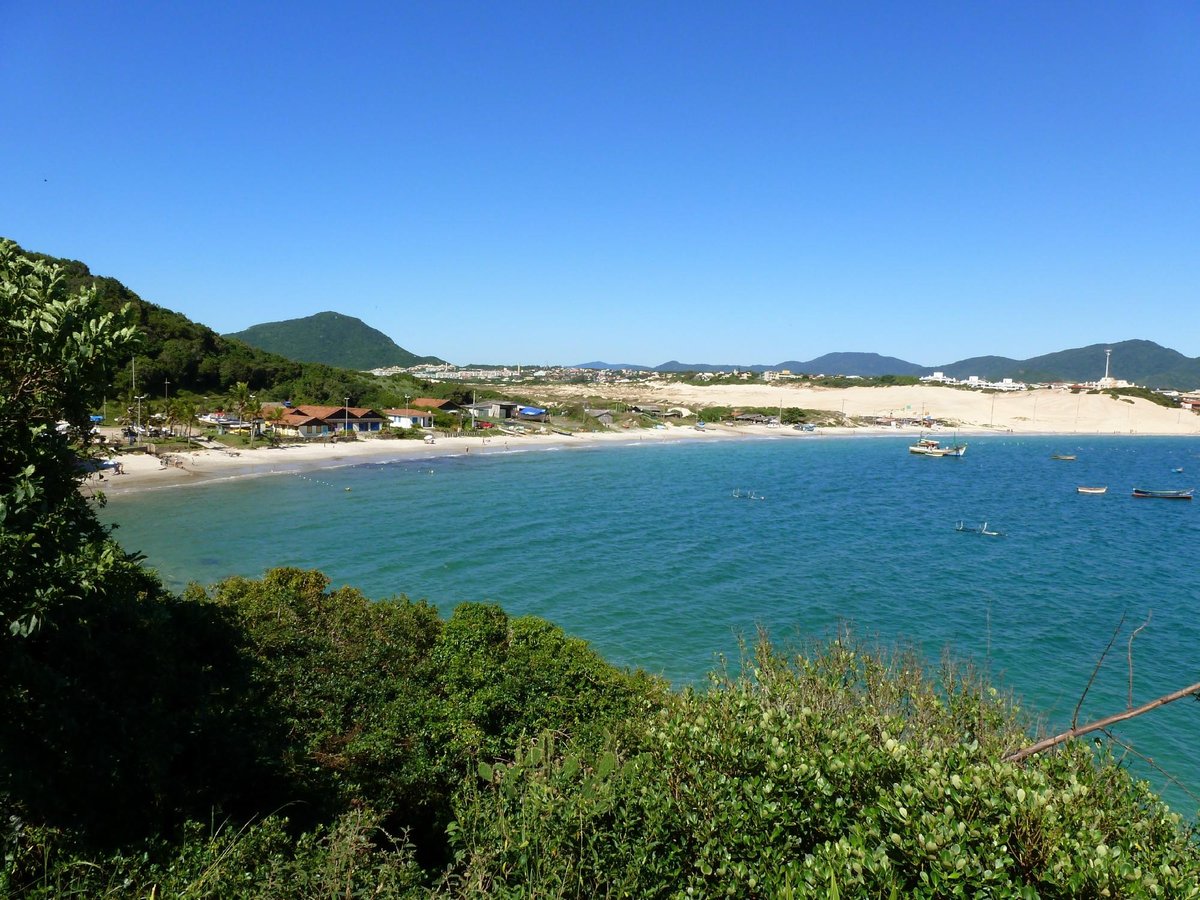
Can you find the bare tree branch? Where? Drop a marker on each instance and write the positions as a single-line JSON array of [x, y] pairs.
[[1095, 671], [1101, 724], [1129, 656]]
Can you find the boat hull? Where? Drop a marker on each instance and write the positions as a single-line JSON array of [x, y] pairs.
[[1164, 495], [1091, 490], [928, 447]]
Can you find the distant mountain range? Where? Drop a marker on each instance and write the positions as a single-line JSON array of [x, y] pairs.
[[1142, 362], [333, 339]]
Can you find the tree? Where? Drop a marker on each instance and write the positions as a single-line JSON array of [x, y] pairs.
[[59, 352], [181, 411], [100, 670], [239, 398]]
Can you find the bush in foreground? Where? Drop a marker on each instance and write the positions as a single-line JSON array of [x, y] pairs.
[[843, 774]]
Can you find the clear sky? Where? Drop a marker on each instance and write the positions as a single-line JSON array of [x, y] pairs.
[[630, 182]]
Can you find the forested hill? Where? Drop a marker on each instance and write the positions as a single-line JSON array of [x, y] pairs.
[[1140, 361], [178, 356], [331, 338]]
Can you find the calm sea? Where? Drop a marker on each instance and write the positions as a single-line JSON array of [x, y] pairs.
[[645, 551]]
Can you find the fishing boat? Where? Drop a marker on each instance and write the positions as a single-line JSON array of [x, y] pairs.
[[1164, 495], [1066, 456], [1091, 490], [930, 447]]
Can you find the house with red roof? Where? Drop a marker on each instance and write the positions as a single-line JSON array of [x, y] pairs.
[[308, 421]]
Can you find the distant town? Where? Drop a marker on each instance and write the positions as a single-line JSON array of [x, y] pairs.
[[601, 377]]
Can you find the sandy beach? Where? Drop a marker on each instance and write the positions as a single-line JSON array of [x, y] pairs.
[[966, 412]]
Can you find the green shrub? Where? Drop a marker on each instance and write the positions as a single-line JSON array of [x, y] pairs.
[[384, 705], [843, 773], [351, 857]]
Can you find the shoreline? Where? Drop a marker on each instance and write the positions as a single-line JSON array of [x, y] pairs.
[[144, 472], [1027, 413]]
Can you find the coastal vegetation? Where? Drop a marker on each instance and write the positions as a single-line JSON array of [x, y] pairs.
[[1154, 397], [178, 358], [276, 737]]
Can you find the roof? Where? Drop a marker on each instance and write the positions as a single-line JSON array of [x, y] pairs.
[[327, 413], [424, 413], [432, 402]]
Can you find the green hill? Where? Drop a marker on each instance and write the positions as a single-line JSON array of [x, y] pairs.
[[1142, 362], [179, 356], [333, 339]]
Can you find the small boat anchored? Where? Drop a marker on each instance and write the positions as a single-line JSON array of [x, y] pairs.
[[1070, 457], [982, 529], [739, 494], [930, 447], [1091, 490], [1164, 495]]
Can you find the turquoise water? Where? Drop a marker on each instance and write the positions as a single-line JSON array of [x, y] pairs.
[[644, 551]]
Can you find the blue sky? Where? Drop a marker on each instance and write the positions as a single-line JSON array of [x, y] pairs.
[[631, 182]]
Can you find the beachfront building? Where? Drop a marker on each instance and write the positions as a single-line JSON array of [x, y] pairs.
[[492, 409], [409, 418], [602, 416], [317, 421]]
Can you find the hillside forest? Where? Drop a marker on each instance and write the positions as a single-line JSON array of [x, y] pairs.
[[177, 357]]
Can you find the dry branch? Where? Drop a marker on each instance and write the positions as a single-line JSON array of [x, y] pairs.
[[1129, 656], [1095, 671], [1100, 724]]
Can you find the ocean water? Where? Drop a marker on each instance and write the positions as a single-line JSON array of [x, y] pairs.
[[645, 551]]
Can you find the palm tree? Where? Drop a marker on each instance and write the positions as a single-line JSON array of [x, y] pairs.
[[240, 398], [254, 411], [244, 403], [181, 411]]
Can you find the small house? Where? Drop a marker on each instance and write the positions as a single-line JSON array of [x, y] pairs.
[[409, 418]]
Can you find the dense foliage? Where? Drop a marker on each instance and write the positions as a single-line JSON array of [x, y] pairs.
[[176, 355], [98, 666], [56, 346], [843, 773], [337, 718], [331, 338]]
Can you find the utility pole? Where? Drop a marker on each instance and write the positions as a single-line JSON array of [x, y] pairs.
[[139, 398]]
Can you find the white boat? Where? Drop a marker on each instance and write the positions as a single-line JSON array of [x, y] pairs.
[[930, 447], [1091, 490]]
